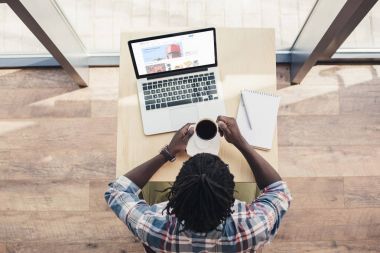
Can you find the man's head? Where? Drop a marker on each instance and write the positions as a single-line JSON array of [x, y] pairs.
[[202, 194]]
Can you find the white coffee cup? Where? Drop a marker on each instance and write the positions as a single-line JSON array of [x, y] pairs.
[[205, 138]]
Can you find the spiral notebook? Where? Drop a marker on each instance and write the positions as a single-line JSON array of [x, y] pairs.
[[257, 117]]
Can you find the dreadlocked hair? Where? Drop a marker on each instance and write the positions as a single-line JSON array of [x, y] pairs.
[[202, 194]]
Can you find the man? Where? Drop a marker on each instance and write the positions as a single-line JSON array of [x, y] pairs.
[[201, 214]]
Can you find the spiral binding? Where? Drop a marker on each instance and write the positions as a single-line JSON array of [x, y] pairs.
[[262, 93]]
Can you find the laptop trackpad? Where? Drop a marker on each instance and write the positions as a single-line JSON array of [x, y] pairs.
[[179, 117]]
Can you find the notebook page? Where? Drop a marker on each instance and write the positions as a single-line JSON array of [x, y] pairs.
[[263, 109]]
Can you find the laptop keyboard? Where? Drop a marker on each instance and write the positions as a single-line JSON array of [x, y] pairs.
[[180, 90]]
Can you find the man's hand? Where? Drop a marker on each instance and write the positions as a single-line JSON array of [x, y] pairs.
[[230, 130], [180, 139], [263, 171]]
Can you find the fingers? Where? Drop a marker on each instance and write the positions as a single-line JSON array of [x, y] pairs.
[[185, 128], [189, 133], [224, 128], [227, 120], [224, 122], [186, 125], [219, 128], [221, 118], [220, 131]]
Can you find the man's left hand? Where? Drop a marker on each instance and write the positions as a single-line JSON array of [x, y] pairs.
[[180, 139]]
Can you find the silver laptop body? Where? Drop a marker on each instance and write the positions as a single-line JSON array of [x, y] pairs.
[[177, 79]]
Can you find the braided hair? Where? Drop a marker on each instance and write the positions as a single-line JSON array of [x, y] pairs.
[[202, 194]]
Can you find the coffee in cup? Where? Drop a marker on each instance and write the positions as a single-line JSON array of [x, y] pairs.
[[206, 129]]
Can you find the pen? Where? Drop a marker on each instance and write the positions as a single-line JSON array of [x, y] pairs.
[[246, 111]]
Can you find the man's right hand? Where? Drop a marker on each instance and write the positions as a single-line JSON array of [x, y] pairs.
[[230, 130]]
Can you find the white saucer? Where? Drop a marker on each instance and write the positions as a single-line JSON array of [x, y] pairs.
[[196, 145]]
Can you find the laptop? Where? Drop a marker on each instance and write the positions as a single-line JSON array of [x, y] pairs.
[[177, 79]]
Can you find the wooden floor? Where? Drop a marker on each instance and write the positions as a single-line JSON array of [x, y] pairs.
[[58, 150]]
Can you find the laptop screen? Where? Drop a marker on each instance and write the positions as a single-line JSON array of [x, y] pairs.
[[174, 52]]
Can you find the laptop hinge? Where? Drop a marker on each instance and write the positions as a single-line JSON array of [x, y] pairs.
[[179, 72]]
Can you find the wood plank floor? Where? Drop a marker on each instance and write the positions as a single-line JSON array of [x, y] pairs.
[[58, 152]]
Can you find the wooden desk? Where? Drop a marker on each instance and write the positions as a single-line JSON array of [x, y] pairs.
[[246, 60]]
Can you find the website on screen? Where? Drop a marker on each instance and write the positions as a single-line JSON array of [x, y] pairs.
[[178, 52]]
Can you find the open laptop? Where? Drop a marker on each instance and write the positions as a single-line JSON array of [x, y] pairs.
[[177, 79]]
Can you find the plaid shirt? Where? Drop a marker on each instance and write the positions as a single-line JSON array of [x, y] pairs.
[[249, 227]]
